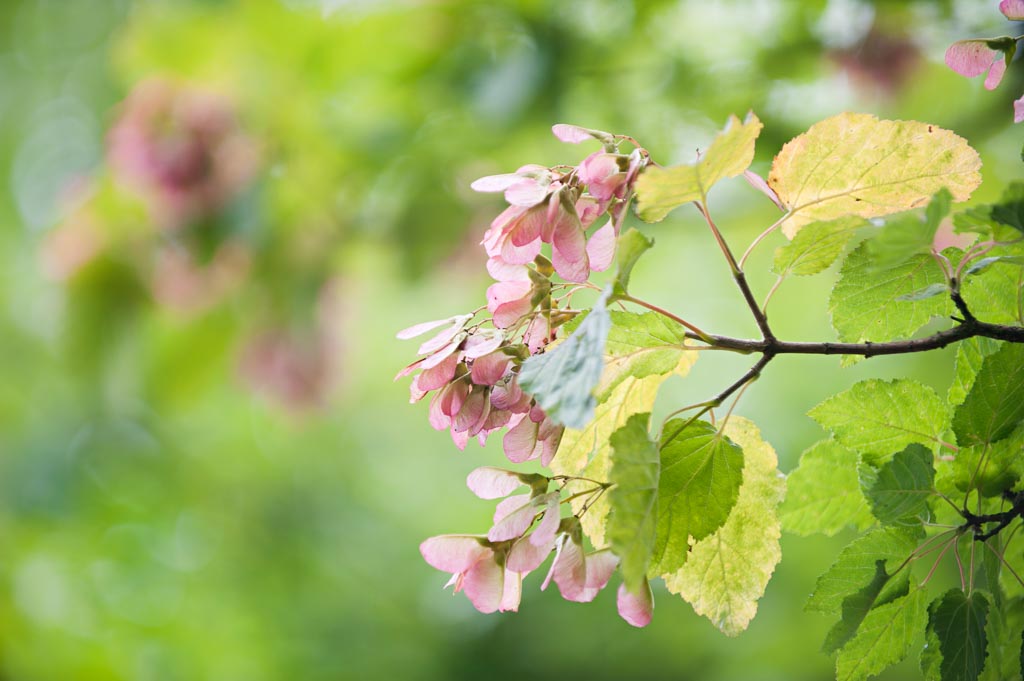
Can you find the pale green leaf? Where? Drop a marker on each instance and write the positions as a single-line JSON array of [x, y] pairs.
[[815, 247], [958, 622], [1010, 209], [856, 567], [642, 344], [562, 380], [727, 572], [856, 164], [901, 487], [701, 471], [631, 245], [993, 295], [865, 303], [823, 494], [632, 521], [995, 404], [884, 638], [659, 190], [879, 418], [989, 468]]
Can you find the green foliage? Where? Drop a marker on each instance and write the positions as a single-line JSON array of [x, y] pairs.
[[857, 605], [901, 487], [879, 418], [969, 356], [816, 246], [659, 190], [727, 572], [907, 235], [824, 492], [641, 345], [957, 621], [837, 168], [632, 520], [883, 638], [866, 305], [563, 380], [701, 472], [631, 246], [995, 403]]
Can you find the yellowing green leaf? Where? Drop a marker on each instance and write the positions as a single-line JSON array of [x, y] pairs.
[[816, 247], [587, 452], [642, 344], [659, 190], [727, 572], [856, 164]]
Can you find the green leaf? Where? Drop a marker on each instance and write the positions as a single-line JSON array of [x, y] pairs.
[[990, 468], [856, 566], [815, 247], [857, 605], [995, 404], [883, 639], [701, 472], [631, 245], [879, 418], [562, 380], [727, 572], [902, 486], [958, 621], [907, 235], [927, 292], [856, 164], [992, 295], [632, 521], [866, 303], [983, 264], [970, 354], [823, 494], [587, 452], [659, 190], [642, 344], [1010, 209]]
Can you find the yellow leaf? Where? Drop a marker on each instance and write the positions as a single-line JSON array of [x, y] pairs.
[[856, 164], [659, 190]]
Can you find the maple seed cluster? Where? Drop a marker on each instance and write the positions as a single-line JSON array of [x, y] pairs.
[[471, 366]]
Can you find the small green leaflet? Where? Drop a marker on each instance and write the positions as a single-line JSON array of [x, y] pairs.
[[884, 638], [906, 235], [727, 572], [659, 190], [816, 246], [823, 494], [866, 303], [701, 472], [970, 354], [563, 380], [632, 521], [983, 264], [901, 487], [856, 566], [927, 292], [839, 167], [640, 345], [857, 605], [631, 245], [995, 404], [958, 622], [879, 418]]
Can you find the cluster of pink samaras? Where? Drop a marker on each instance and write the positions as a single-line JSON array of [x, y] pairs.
[[490, 568], [973, 58], [471, 367]]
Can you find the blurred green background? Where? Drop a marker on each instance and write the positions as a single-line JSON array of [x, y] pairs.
[[214, 216]]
